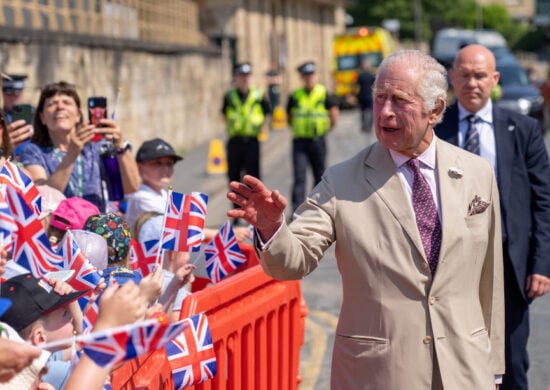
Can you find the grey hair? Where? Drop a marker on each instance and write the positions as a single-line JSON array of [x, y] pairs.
[[432, 85]]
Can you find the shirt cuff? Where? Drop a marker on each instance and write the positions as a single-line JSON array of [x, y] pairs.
[[498, 379], [262, 246]]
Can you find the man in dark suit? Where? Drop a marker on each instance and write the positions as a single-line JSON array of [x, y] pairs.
[[514, 145]]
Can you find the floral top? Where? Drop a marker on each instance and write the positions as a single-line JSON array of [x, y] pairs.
[[85, 181]]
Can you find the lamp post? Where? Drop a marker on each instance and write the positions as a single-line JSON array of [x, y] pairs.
[[417, 24], [479, 16]]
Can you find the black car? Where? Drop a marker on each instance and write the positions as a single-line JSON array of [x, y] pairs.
[[518, 93]]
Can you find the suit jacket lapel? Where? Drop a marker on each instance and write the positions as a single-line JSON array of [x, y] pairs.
[[381, 174], [504, 139], [450, 195]]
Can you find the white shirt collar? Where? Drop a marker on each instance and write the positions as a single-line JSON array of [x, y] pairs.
[[427, 157], [486, 112]]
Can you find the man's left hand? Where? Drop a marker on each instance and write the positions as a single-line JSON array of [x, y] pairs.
[[537, 285]]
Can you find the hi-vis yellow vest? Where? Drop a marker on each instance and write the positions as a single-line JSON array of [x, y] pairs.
[[245, 120], [310, 118]]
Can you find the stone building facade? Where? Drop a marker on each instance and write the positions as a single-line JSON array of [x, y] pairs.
[[162, 59]]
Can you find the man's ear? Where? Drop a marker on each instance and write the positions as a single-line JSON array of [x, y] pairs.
[[38, 335], [437, 111]]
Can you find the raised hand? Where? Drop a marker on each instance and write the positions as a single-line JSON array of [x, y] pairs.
[[259, 206], [19, 131]]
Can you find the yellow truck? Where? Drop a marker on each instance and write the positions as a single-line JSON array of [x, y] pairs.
[[350, 49]]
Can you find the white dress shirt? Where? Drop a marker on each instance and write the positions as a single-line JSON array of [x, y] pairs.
[[485, 129]]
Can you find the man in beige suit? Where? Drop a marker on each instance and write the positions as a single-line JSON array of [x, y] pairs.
[[416, 225]]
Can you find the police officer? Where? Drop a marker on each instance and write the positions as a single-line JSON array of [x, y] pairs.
[[245, 109], [13, 88], [312, 113]]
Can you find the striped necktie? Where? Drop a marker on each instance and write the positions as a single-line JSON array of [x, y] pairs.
[[471, 139]]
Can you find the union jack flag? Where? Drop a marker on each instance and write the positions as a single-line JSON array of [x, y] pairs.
[[31, 247], [86, 276], [184, 221], [112, 346], [7, 223], [15, 177], [223, 254], [89, 317], [191, 354], [143, 256]]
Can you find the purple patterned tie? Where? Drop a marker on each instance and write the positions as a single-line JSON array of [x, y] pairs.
[[427, 219]]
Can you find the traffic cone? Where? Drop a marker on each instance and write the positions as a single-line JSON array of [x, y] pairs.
[[264, 134], [279, 118], [217, 163]]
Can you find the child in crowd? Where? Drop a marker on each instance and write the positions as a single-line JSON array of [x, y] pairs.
[[155, 160], [71, 213], [51, 198], [21, 364], [115, 231], [42, 313], [31, 376]]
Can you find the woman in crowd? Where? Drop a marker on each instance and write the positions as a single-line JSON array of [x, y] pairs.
[[61, 153]]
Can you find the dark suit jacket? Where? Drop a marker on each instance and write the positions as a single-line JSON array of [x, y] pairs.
[[523, 176]]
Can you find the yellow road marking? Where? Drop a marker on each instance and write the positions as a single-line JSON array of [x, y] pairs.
[[311, 367]]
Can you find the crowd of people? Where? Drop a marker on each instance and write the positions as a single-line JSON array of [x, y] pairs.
[[454, 236], [58, 153]]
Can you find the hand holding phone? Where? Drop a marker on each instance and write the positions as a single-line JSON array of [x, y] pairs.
[[97, 110]]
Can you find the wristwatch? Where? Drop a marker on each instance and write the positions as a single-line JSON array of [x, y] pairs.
[[125, 146]]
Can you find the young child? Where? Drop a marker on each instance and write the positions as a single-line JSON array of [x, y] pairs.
[[21, 364], [155, 159], [114, 229], [29, 377], [42, 312], [71, 213]]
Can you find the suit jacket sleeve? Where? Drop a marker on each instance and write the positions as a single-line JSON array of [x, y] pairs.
[[492, 286], [296, 250], [538, 168]]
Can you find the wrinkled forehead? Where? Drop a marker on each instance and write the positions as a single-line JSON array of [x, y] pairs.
[[397, 78]]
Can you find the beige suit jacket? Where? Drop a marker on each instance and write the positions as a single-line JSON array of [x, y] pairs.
[[395, 317]]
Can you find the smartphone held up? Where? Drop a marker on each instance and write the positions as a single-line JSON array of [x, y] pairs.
[[23, 111], [97, 110]]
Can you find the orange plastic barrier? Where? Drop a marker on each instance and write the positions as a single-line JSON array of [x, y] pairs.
[[257, 326]]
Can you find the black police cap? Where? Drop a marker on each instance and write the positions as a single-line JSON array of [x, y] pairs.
[[307, 68], [13, 82], [242, 68]]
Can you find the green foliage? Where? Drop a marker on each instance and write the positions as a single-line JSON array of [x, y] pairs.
[[532, 40], [445, 13]]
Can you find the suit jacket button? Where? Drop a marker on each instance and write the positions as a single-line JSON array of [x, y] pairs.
[[427, 340], [432, 300]]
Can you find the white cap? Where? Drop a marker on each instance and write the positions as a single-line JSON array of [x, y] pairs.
[[93, 246], [26, 377]]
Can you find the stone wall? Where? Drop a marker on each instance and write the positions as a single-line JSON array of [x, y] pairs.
[[173, 95]]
